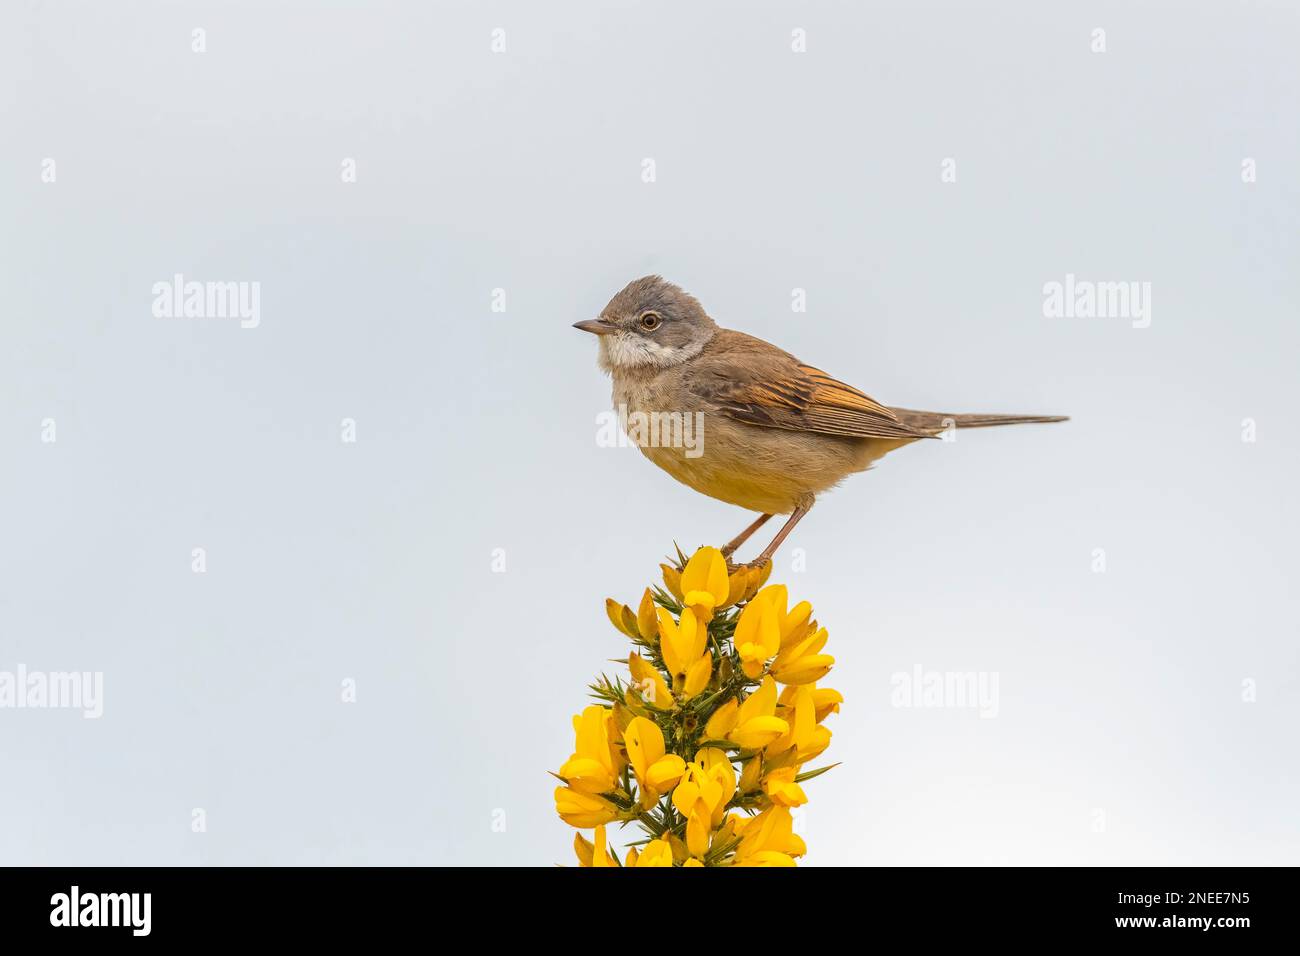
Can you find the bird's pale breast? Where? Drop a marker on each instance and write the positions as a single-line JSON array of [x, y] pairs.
[[768, 470]]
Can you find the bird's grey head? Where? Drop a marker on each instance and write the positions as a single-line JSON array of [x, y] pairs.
[[651, 323]]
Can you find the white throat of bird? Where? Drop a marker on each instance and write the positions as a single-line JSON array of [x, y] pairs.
[[628, 350]]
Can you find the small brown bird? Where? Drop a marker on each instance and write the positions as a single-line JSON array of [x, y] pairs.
[[775, 432]]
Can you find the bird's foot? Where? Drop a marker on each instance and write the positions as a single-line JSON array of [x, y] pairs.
[[757, 564]]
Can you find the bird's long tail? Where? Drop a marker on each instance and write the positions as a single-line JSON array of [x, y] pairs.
[[935, 422]]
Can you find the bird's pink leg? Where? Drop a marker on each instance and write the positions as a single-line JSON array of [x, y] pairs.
[[770, 550], [730, 547]]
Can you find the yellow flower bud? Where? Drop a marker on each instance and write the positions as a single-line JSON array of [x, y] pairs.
[[583, 809], [647, 624], [621, 616], [599, 855], [672, 581], [584, 849]]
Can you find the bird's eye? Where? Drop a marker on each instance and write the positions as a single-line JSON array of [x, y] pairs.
[[650, 321]]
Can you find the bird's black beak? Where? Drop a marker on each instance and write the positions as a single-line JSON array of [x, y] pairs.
[[595, 326]]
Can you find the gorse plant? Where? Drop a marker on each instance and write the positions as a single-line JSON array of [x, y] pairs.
[[696, 744]]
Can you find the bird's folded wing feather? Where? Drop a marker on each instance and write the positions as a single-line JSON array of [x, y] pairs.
[[772, 389]]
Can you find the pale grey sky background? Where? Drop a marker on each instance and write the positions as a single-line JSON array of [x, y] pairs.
[[1122, 736]]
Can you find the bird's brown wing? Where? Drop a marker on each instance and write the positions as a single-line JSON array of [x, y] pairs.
[[756, 383]]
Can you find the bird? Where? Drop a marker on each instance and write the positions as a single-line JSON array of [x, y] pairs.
[[776, 432]]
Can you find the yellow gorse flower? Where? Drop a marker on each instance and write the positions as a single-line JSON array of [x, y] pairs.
[[703, 795], [754, 724], [697, 744], [657, 772], [591, 769], [684, 647], [583, 809], [800, 662], [780, 785], [758, 636], [768, 839], [704, 583]]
